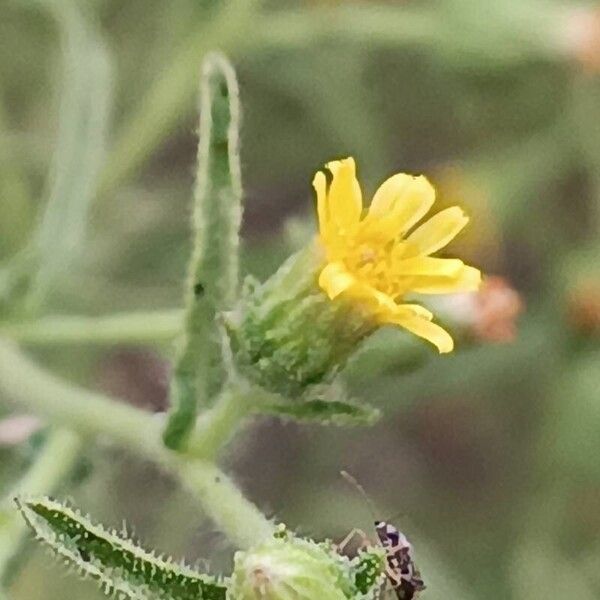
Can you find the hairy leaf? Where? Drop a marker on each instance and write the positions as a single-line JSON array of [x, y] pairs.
[[213, 278], [121, 567]]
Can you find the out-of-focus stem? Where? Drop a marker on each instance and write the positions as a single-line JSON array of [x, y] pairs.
[[173, 92], [89, 413], [93, 414], [120, 328], [383, 25], [53, 464]]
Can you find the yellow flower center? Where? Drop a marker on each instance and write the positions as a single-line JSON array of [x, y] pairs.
[[370, 264], [367, 255]]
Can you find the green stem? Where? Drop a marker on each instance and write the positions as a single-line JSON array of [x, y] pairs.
[[15, 192], [89, 413], [218, 424], [92, 414], [79, 149], [240, 520], [54, 463], [124, 328], [96, 415]]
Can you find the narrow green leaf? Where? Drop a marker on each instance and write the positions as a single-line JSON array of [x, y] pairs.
[[213, 277], [120, 567]]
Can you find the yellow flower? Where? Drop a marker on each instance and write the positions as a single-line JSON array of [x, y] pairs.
[[376, 260]]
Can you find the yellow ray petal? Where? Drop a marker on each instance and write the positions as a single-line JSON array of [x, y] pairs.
[[334, 279], [426, 265], [425, 329], [467, 280], [390, 312], [383, 303], [416, 310], [345, 197], [400, 202], [320, 185], [436, 232]]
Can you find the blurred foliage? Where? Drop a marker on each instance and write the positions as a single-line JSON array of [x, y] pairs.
[[489, 457]]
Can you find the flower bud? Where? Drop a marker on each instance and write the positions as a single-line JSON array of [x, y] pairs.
[[291, 568], [294, 568], [583, 306]]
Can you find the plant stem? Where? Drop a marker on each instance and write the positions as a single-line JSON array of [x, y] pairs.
[[218, 424], [96, 415], [79, 149], [171, 96], [237, 518], [52, 465], [89, 413], [93, 414], [386, 26], [122, 328]]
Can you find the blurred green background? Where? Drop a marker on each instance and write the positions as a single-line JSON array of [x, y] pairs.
[[489, 459]]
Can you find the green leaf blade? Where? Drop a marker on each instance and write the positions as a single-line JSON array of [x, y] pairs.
[[213, 272], [115, 562]]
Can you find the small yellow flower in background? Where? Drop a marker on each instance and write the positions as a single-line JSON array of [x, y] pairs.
[[376, 260]]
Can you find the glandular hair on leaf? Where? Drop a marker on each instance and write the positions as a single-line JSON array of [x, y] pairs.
[[122, 568]]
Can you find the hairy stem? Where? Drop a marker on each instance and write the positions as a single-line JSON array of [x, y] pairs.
[[217, 425], [240, 520], [89, 413], [96, 415]]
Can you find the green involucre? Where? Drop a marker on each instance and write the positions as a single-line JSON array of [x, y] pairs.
[[288, 337]]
